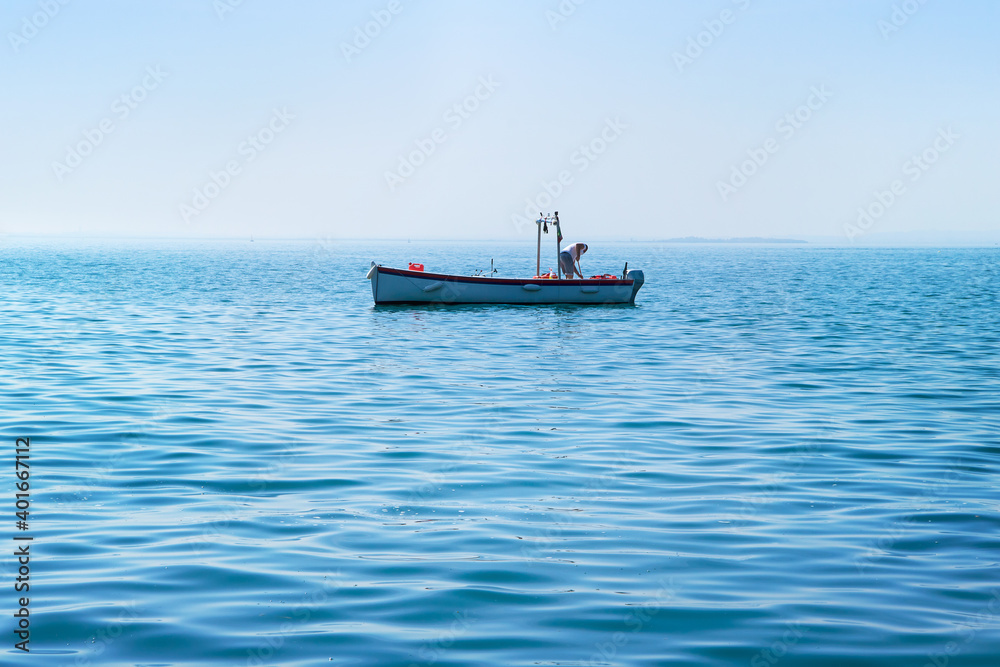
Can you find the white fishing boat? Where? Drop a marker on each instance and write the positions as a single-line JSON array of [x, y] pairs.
[[414, 285]]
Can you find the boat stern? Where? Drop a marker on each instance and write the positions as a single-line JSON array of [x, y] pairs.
[[639, 278]]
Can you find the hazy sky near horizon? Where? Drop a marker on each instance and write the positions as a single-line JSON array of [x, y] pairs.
[[449, 119]]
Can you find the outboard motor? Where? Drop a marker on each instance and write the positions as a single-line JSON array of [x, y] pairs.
[[639, 278]]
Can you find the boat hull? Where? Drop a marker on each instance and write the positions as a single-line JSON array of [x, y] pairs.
[[399, 286]]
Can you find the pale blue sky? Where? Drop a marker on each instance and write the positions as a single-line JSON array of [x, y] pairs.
[[671, 136]]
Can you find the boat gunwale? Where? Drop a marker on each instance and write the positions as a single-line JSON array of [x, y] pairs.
[[483, 280], [574, 304]]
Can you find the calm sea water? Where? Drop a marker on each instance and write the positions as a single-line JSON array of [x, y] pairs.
[[778, 456]]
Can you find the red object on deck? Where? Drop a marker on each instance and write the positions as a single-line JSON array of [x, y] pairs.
[[416, 267]]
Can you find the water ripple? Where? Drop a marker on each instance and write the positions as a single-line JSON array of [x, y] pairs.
[[777, 456]]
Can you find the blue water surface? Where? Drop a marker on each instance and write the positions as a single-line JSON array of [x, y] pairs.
[[780, 455]]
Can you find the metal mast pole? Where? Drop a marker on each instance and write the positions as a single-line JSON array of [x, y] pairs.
[[538, 259], [558, 238]]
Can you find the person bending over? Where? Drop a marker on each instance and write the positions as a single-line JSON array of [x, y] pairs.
[[569, 259]]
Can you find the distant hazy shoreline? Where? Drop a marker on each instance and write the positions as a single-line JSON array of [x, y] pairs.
[[747, 239]]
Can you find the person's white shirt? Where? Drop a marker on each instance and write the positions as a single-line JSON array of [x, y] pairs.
[[574, 250]]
